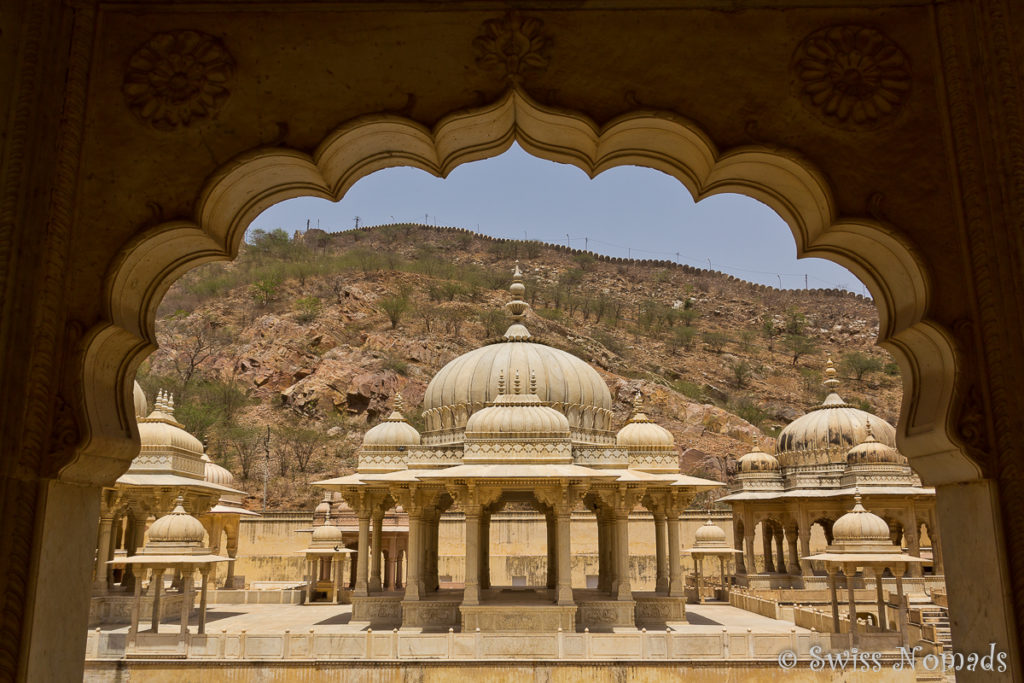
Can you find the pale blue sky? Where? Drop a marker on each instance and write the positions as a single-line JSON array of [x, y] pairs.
[[625, 211]]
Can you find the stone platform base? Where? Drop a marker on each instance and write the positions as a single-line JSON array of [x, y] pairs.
[[382, 611], [657, 610], [435, 614], [523, 618], [117, 608], [605, 614]]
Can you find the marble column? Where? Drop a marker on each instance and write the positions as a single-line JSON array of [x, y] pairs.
[[794, 557], [205, 574], [485, 550], [412, 583], [186, 603], [135, 570], [833, 589], [432, 529], [103, 548], [737, 543], [376, 537], [135, 540], [661, 552], [749, 560], [937, 567], [805, 550], [766, 540], [155, 585], [913, 535], [901, 609], [604, 574], [229, 579], [880, 597], [398, 569], [563, 595], [311, 578], [362, 568], [780, 545], [471, 595], [849, 572], [552, 578], [675, 566], [623, 589]]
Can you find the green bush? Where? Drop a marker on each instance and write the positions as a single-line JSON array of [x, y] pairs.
[[746, 408], [715, 341], [549, 313], [691, 389], [307, 309]]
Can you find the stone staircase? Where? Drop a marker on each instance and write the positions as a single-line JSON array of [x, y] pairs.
[[934, 622]]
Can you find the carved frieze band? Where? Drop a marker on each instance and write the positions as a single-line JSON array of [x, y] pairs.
[[177, 78], [851, 76]]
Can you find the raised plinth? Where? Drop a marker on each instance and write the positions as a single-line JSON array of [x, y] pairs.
[[512, 617], [380, 610], [601, 613], [658, 610], [437, 613]]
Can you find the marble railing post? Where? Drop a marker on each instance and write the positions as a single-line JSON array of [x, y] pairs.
[[471, 595], [374, 583], [362, 568], [156, 583], [675, 566], [661, 552], [552, 577], [99, 583]]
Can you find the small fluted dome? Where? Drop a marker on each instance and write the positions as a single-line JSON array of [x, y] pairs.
[[393, 431], [517, 414], [327, 533], [160, 431], [871, 451], [709, 535], [828, 431], [643, 432], [215, 474], [176, 528], [758, 461], [858, 526], [139, 397]]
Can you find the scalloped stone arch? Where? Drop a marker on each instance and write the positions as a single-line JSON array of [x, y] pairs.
[[244, 187]]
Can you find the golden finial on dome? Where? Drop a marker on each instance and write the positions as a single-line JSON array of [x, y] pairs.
[[638, 403], [830, 375], [501, 382], [170, 404], [515, 382], [533, 382], [179, 506], [871, 435], [399, 404]]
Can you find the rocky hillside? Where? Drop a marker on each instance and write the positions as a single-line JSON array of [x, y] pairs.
[[311, 335]]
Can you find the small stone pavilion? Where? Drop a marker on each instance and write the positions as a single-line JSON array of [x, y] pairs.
[[171, 463], [520, 422], [820, 460]]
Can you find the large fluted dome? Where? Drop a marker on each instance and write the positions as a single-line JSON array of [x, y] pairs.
[[829, 431], [564, 381]]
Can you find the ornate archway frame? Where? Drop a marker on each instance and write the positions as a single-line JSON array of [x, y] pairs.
[[244, 187]]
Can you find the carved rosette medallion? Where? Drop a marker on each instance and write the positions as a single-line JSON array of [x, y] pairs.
[[514, 45], [177, 78], [851, 76]]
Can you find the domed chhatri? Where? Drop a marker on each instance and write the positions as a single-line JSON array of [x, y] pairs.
[[327, 534], [860, 528], [641, 432], [215, 474], [758, 461], [871, 451], [828, 431], [160, 431], [176, 529], [709, 535], [470, 382], [394, 430]]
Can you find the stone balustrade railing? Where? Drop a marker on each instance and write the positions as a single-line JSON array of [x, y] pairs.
[[398, 645], [756, 604]]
